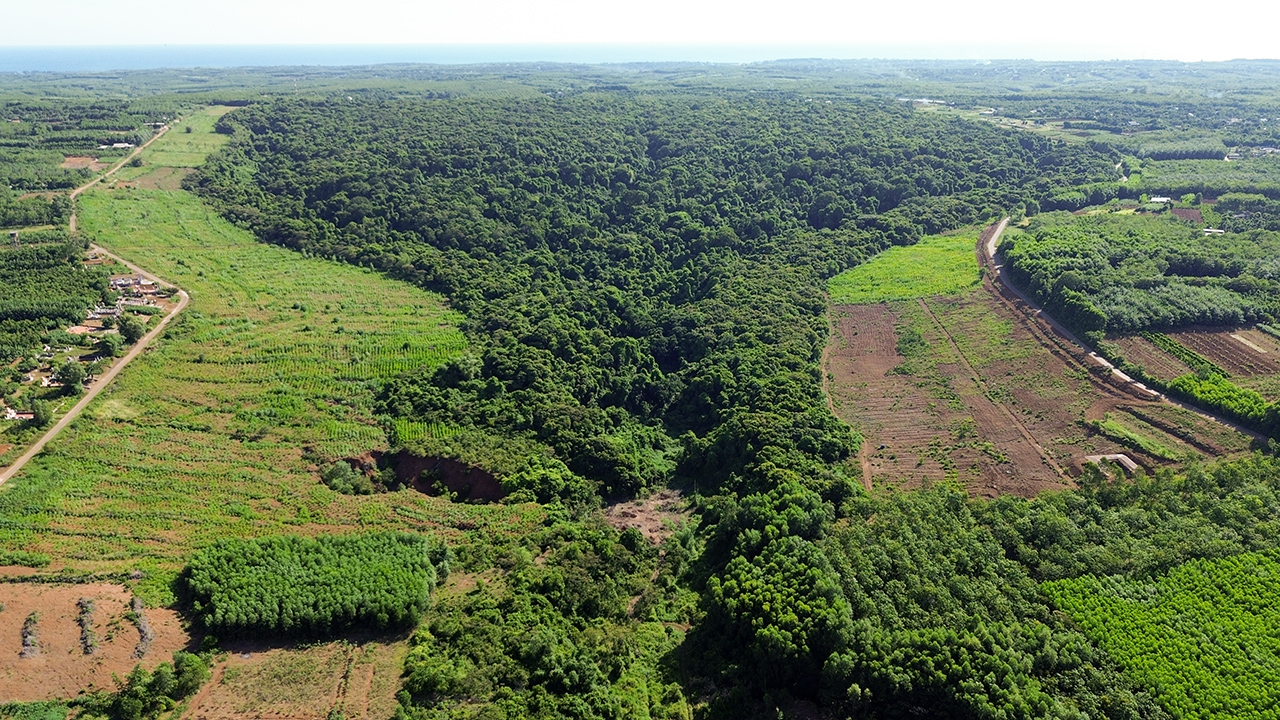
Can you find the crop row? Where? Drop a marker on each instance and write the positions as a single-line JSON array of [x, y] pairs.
[[1193, 359], [1202, 637]]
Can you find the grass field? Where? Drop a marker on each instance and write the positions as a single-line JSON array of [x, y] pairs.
[[939, 265], [220, 428], [1203, 638], [181, 149]]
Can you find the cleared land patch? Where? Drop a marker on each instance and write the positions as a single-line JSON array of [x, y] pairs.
[[1218, 345], [61, 668], [967, 388]]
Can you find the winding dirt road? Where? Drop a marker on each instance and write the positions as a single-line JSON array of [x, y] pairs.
[[105, 379]]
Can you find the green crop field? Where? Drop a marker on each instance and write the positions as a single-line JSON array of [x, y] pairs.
[[219, 429], [1203, 637], [179, 148], [942, 265]]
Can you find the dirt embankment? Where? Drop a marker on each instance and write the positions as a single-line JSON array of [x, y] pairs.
[[429, 474]]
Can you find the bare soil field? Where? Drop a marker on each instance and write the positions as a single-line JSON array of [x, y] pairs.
[[77, 162], [907, 430], [353, 680], [1241, 352], [161, 178], [61, 669], [996, 403], [655, 516], [1156, 362]]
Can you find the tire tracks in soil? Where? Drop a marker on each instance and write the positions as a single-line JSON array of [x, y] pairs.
[[982, 387]]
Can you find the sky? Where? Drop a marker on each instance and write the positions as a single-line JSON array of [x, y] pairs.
[[741, 29]]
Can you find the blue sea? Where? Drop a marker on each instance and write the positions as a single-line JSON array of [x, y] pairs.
[[142, 57]]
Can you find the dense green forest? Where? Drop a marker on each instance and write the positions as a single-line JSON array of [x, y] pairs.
[[1122, 273], [633, 269], [642, 279], [640, 254], [288, 585]]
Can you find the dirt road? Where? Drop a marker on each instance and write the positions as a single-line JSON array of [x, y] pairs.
[[138, 347], [112, 171], [106, 378], [1035, 311]]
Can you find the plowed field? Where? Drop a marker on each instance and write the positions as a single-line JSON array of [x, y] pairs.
[[1156, 362], [1242, 352]]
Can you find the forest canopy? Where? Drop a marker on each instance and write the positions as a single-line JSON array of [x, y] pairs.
[[294, 586]]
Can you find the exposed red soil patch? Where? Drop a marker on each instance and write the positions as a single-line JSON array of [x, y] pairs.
[[1188, 214], [465, 481], [898, 420], [1231, 354], [61, 670], [655, 516]]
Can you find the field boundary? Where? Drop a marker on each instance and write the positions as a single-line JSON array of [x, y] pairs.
[[864, 460]]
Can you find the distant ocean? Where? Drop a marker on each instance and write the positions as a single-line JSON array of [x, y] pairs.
[[142, 57]]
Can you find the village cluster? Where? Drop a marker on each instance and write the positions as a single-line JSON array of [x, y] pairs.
[[131, 291]]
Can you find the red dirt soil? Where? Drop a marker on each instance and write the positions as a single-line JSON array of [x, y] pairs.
[[1229, 353], [62, 670], [654, 516], [466, 481], [898, 420], [77, 162]]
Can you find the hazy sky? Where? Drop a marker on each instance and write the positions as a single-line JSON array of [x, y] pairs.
[[1082, 29]]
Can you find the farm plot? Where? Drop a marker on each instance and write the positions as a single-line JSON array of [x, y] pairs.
[[1154, 361], [60, 666], [1046, 395], [967, 389], [914, 429], [1250, 356], [357, 681], [904, 376], [1203, 637]]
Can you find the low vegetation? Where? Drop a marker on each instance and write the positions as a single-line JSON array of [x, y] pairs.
[[1182, 633], [942, 265]]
